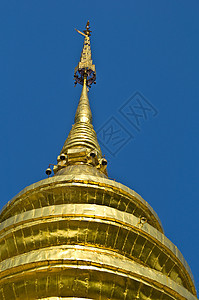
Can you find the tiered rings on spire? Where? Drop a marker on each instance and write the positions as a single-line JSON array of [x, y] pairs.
[[81, 152]]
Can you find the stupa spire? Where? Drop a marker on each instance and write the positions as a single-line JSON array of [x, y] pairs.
[[85, 65], [83, 112], [81, 148]]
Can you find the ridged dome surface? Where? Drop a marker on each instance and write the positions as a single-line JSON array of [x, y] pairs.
[[80, 235]]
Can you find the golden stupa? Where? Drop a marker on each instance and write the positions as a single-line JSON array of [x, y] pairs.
[[80, 235]]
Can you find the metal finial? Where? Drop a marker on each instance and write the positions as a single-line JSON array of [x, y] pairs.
[[81, 152], [88, 31], [85, 66]]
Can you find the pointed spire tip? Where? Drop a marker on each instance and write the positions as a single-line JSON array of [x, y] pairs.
[[85, 66]]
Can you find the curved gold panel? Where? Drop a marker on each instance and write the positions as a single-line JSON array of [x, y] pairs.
[[86, 273], [63, 298], [80, 189], [98, 226]]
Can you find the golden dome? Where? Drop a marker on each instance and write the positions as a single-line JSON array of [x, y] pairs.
[[80, 235]]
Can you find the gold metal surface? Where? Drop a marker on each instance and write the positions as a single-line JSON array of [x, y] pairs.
[[82, 133], [81, 189], [83, 113], [83, 268], [94, 226], [80, 235], [85, 66], [81, 146]]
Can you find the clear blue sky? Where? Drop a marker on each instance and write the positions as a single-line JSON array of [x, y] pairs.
[[146, 46]]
